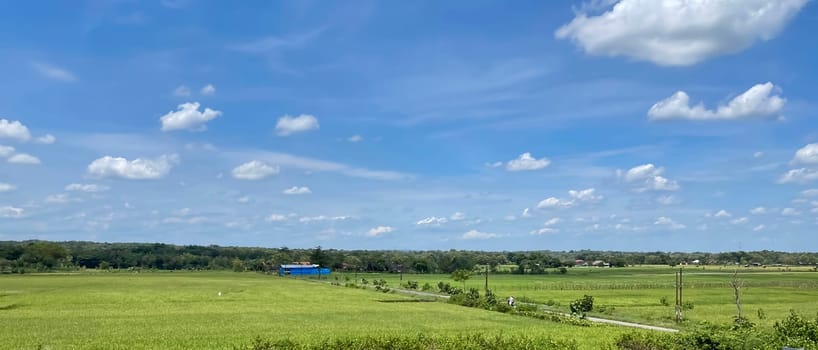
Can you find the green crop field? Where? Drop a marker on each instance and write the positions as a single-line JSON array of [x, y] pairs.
[[182, 310], [634, 293]]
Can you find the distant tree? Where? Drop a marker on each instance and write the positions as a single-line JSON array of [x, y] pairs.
[[461, 275]]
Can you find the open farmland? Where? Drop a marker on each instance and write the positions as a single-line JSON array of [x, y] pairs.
[[182, 310], [634, 293]]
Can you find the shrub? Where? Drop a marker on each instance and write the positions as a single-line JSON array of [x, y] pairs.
[[582, 305], [761, 314], [687, 305], [664, 301], [426, 287], [412, 284], [563, 270]]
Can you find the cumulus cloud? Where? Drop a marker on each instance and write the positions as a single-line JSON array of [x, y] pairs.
[[11, 212], [678, 33], [4, 187], [254, 170], [544, 230], [758, 102], [297, 190], [474, 234], [813, 192], [91, 188], [666, 200], [54, 72], [288, 125], [457, 216], [137, 169], [790, 212], [807, 154], [801, 175], [380, 230], [6, 151], [576, 197], [758, 154], [433, 221], [669, 223], [14, 129], [188, 117], [648, 177], [759, 228], [526, 213], [57, 198], [722, 214], [552, 222], [758, 211], [208, 90], [182, 91], [740, 221], [47, 139], [23, 158], [355, 138], [276, 218], [527, 162], [308, 219]]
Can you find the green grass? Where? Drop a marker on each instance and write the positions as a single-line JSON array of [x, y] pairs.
[[634, 293], [181, 310]]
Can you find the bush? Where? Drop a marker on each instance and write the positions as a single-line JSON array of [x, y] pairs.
[[582, 305], [687, 305], [664, 301], [426, 287], [412, 284], [563, 270]]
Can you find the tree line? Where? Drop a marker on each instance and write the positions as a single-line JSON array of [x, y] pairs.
[[22, 256]]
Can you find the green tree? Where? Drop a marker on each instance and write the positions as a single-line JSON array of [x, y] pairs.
[[461, 275]]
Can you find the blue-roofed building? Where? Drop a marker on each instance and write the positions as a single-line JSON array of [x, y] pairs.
[[299, 270]]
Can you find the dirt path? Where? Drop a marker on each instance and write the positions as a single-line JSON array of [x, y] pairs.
[[542, 307]]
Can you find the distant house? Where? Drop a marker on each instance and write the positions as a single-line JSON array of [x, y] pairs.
[[600, 263], [300, 270], [580, 262], [696, 262]]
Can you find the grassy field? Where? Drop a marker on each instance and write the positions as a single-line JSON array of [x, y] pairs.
[[182, 310], [634, 293]]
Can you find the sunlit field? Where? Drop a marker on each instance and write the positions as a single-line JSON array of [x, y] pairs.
[[183, 310]]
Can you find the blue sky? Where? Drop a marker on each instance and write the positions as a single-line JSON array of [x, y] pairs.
[[630, 125]]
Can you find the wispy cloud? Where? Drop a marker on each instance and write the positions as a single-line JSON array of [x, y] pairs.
[[53, 72]]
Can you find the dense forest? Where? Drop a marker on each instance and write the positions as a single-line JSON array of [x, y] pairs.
[[30, 256]]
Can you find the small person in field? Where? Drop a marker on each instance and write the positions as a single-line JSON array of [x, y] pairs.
[[511, 301]]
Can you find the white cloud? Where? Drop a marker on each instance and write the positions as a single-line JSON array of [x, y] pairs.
[[757, 102], [544, 230], [355, 138], [526, 213], [47, 139], [678, 33], [526, 162], [759, 228], [23, 158], [790, 212], [254, 170], [14, 129], [11, 212], [186, 220], [308, 219], [494, 165], [182, 91], [474, 234], [288, 125], [53, 72], [380, 230], [245, 199], [667, 200], [187, 116], [578, 197], [6, 151], [801, 175], [807, 154], [137, 169], [758, 155], [670, 223], [208, 90], [297, 190], [739, 221], [313, 164], [810, 193], [758, 211], [276, 218], [86, 188], [433, 221], [457, 216], [4, 187], [57, 198], [722, 214], [648, 177], [552, 222]]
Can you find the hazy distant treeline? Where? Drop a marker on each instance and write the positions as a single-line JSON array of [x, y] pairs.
[[16, 256]]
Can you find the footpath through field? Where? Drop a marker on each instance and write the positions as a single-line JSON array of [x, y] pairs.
[[543, 308]]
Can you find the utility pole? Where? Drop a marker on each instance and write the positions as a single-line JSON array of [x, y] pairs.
[[679, 296], [487, 277]]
